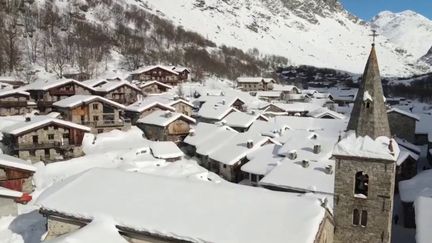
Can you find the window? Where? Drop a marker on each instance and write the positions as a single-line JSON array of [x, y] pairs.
[[356, 217], [100, 131], [253, 178], [95, 118], [364, 215], [50, 136], [361, 185], [367, 104], [360, 218], [95, 106], [65, 135]]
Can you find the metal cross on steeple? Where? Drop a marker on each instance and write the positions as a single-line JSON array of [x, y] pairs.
[[374, 35]]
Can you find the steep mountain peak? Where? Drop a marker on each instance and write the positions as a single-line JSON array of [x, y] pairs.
[[409, 30]]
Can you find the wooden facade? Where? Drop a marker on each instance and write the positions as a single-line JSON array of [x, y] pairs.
[[98, 115], [124, 94], [162, 74], [45, 98], [154, 88], [176, 131]]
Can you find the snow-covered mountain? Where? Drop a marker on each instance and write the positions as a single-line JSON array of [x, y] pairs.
[[408, 29], [314, 32]]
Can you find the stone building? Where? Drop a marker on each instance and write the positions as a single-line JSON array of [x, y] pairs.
[[255, 83], [402, 124], [166, 126], [15, 102], [43, 138], [154, 87], [170, 75], [122, 92], [46, 93], [365, 167], [101, 114]]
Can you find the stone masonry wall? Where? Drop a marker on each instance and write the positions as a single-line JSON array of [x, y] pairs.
[[378, 204], [402, 126]]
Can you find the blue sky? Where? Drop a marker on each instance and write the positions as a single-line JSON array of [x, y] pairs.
[[366, 9]]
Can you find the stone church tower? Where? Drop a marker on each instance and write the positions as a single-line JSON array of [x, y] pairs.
[[364, 185]]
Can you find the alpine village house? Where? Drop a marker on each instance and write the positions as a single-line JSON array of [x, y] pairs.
[[44, 138], [99, 113]]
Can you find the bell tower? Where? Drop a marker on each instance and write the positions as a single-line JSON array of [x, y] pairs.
[[365, 166]]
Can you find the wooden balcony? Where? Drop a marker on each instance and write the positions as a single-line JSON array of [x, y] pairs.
[[62, 92], [43, 103], [30, 146], [108, 123], [12, 104]]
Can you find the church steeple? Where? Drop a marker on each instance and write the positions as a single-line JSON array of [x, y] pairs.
[[369, 116]]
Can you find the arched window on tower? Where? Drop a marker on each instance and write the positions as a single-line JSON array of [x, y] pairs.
[[361, 185], [364, 215], [356, 217]]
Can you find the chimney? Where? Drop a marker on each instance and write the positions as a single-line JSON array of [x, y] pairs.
[[329, 169], [292, 155], [168, 114], [28, 119], [305, 163], [317, 148], [249, 144], [192, 132], [223, 102]]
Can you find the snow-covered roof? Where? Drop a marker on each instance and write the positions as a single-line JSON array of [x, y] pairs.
[[271, 94], [165, 150], [366, 147], [39, 121], [13, 162], [204, 132], [46, 85], [423, 216], [94, 82], [6, 192], [235, 148], [177, 207], [155, 82], [367, 96], [405, 113], [404, 143], [254, 80], [100, 229], [405, 154], [295, 106], [164, 118], [241, 119], [13, 91], [111, 85], [215, 111], [78, 100], [323, 111], [288, 88], [290, 174], [149, 68], [263, 160], [424, 125], [419, 185], [146, 104]]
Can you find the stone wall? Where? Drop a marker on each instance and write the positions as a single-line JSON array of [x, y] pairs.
[[378, 204], [402, 126], [8, 207]]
